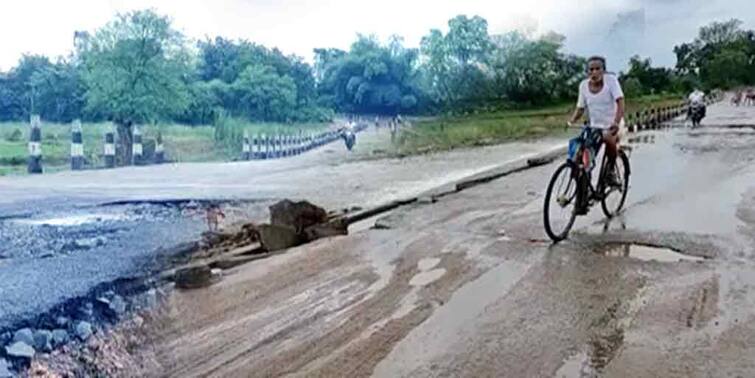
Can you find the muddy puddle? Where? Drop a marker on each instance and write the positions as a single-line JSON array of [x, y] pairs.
[[645, 253]]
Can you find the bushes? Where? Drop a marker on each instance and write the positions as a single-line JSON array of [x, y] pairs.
[[15, 136], [229, 131]]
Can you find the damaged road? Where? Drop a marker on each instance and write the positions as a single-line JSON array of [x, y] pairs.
[[468, 285], [63, 234]]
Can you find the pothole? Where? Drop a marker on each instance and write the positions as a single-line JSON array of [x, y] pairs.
[[645, 253]]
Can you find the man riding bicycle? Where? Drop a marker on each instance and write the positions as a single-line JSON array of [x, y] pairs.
[[570, 191], [601, 95]]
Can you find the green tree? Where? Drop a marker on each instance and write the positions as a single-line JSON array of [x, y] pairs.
[[723, 54], [265, 95], [225, 61], [467, 39], [135, 71], [59, 92], [455, 65], [632, 87], [651, 79], [437, 66], [20, 92], [535, 71], [726, 69], [370, 78]]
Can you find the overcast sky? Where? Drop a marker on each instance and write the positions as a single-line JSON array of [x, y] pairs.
[[615, 28]]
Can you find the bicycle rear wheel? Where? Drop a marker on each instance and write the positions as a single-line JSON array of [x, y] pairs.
[[615, 196], [560, 201]]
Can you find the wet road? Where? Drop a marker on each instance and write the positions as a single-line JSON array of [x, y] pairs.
[[56, 243], [330, 175], [468, 286]]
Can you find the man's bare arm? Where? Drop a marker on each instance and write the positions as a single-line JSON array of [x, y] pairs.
[[619, 111], [578, 112]]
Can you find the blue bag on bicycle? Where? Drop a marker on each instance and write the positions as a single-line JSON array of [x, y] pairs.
[[574, 144]]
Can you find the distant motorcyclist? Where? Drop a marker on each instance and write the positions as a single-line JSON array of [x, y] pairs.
[[696, 99], [348, 133]]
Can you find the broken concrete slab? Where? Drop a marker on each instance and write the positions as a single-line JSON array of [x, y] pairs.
[[275, 237], [335, 227], [297, 215], [194, 277], [234, 261]]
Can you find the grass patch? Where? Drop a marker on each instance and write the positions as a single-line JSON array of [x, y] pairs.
[[444, 133]]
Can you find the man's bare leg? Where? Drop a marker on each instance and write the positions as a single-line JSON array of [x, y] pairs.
[[611, 140]]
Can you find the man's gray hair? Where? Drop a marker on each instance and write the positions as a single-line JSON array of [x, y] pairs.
[[599, 58]]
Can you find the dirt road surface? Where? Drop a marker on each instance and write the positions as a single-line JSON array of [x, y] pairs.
[[468, 286], [57, 242]]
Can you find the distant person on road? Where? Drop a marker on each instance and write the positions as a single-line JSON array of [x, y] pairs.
[[393, 126], [214, 213], [736, 99], [601, 95], [749, 97]]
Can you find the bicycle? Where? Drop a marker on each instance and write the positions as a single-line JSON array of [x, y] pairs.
[[579, 195]]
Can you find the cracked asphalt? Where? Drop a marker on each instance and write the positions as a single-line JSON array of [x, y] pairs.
[[470, 286]]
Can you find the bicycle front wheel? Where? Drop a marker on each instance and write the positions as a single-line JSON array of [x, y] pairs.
[[560, 201]]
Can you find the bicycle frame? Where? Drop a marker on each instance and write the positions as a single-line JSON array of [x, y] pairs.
[[590, 142]]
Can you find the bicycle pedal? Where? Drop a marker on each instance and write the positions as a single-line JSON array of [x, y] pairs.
[[582, 211]]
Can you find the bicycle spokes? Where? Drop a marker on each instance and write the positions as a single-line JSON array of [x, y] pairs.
[[615, 188], [560, 200]]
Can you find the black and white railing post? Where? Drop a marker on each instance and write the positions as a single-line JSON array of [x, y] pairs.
[[274, 146], [35, 146], [630, 123], [109, 152], [265, 146], [159, 149], [255, 147], [279, 140], [245, 147], [77, 147], [653, 118], [270, 147], [137, 149]]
